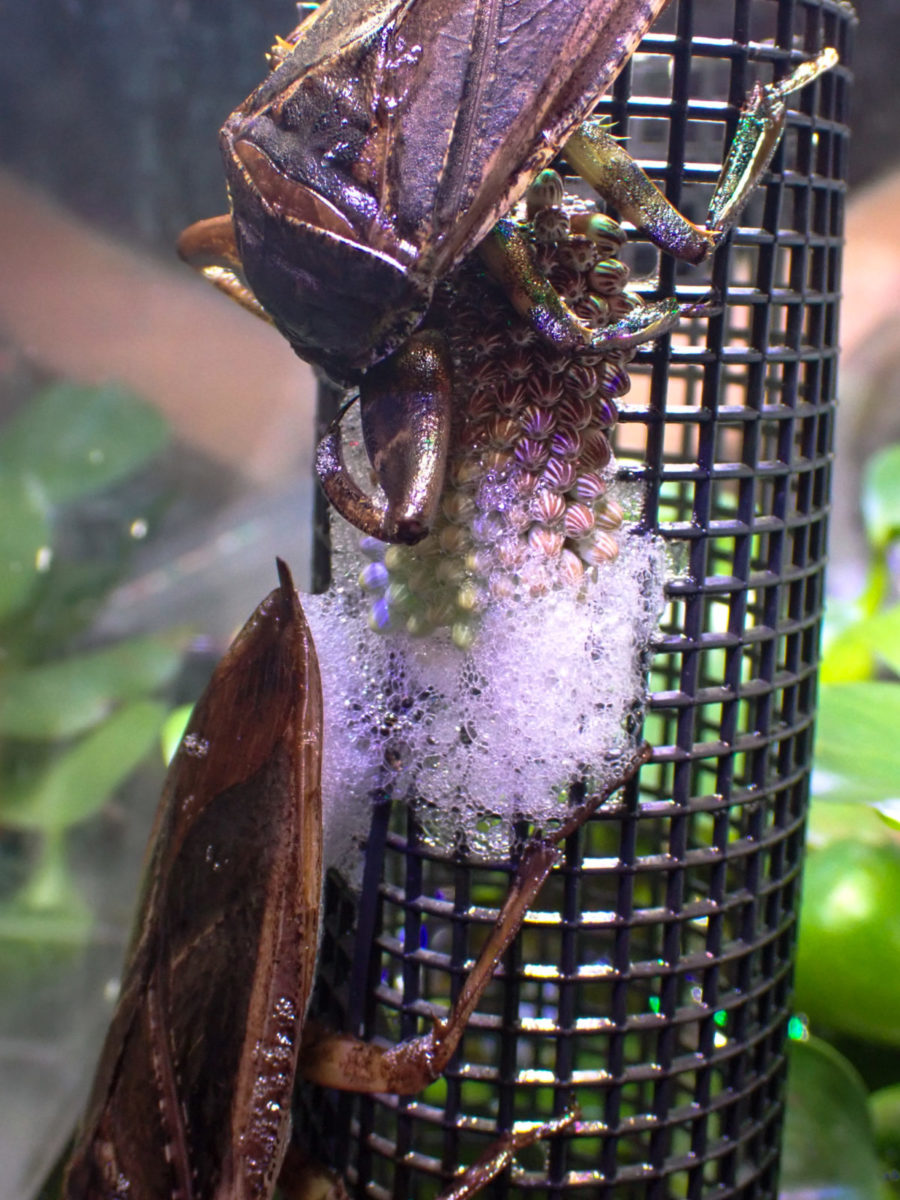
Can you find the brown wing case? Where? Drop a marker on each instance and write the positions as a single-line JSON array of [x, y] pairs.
[[423, 122], [196, 1074]]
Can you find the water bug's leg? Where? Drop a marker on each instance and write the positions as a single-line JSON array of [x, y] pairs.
[[599, 159], [210, 248], [647, 322], [508, 257], [344, 1062], [343, 492], [349, 1064], [607, 166], [499, 1156], [301, 1179], [756, 139], [405, 408]]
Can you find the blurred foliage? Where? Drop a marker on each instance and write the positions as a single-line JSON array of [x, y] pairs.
[[843, 1129], [75, 718], [829, 1146]]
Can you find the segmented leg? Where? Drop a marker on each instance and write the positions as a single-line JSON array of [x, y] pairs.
[[303, 1180], [609, 169], [599, 159], [209, 247], [344, 1062], [405, 412], [510, 260], [347, 1063], [500, 1154]]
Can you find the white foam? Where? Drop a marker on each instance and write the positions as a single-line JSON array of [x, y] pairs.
[[550, 691]]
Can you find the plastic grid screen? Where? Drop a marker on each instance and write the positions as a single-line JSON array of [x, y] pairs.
[[654, 982]]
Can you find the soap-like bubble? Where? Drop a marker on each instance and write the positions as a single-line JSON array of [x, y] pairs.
[[549, 692]]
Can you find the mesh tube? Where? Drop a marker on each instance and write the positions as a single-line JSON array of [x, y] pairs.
[[653, 984]]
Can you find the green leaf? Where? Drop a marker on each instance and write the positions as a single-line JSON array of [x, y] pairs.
[[851, 655], [848, 953], [78, 440], [63, 605], [889, 812], [881, 496], [22, 926], [829, 1144], [881, 633], [836, 820], [884, 1109], [66, 698], [24, 533], [80, 781], [43, 925], [50, 888], [857, 737], [173, 730], [846, 658]]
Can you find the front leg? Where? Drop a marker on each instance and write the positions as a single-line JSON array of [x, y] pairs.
[[210, 247], [609, 169], [600, 160], [509, 258], [405, 411]]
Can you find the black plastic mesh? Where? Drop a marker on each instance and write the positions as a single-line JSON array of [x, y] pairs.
[[654, 982]]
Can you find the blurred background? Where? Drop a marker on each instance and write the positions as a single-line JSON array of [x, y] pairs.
[[155, 455]]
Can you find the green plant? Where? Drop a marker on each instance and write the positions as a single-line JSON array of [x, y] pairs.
[[847, 1059], [75, 718]]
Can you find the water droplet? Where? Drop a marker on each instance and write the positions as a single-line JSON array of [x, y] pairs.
[[196, 747]]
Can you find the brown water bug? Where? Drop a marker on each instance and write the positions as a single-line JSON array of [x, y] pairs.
[[192, 1094], [390, 140]]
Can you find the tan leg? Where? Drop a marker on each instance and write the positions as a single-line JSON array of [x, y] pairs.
[[347, 1063], [209, 247], [501, 1153], [344, 1062], [302, 1180]]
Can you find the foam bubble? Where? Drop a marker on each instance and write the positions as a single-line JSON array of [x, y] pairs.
[[550, 691]]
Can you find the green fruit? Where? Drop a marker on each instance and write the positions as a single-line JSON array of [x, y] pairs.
[[848, 962]]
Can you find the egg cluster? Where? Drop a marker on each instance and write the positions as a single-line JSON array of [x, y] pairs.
[[525, 508], [529, 584]]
